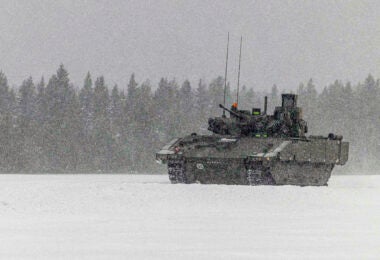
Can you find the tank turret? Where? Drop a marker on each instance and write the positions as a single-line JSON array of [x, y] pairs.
[[286, 121]]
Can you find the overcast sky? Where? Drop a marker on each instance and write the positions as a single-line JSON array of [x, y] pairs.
[[284, 42]]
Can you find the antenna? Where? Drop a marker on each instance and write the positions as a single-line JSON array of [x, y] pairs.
[[225, 76], [237, 94]]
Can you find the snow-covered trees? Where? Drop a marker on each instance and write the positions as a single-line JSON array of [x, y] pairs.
[[60, 128]]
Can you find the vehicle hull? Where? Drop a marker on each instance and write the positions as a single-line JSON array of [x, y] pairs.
[[252, 161]]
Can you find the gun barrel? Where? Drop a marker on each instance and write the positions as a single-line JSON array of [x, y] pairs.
[[231, 112]]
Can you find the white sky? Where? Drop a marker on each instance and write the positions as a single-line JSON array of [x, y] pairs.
[[284, 42]]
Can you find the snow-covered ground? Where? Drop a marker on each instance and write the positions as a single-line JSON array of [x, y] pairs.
[[144, 217]]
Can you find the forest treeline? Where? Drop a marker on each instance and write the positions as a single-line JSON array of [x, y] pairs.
[[55, 126]]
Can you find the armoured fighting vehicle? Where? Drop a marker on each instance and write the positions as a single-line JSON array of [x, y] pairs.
[[255, 148]]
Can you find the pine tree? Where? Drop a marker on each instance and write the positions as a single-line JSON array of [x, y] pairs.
[[61, 122], [41, 103], [4, 94], [166, 107], [144, 138], [74, 129], [216, 94], [131, 98], [30, 153], [27, 102], [7, 135], [202, 105], [7, 139], [116, 128], [102, 133], [116, 111], [368, 103], [186, 113], [87, 105], [41, 117]]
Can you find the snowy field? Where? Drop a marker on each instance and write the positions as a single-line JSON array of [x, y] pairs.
[[145, 217]]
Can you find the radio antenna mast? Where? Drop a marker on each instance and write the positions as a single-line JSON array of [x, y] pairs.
[[225, 76], [237, 94]]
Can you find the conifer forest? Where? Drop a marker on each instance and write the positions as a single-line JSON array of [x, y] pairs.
[[53, 126]]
